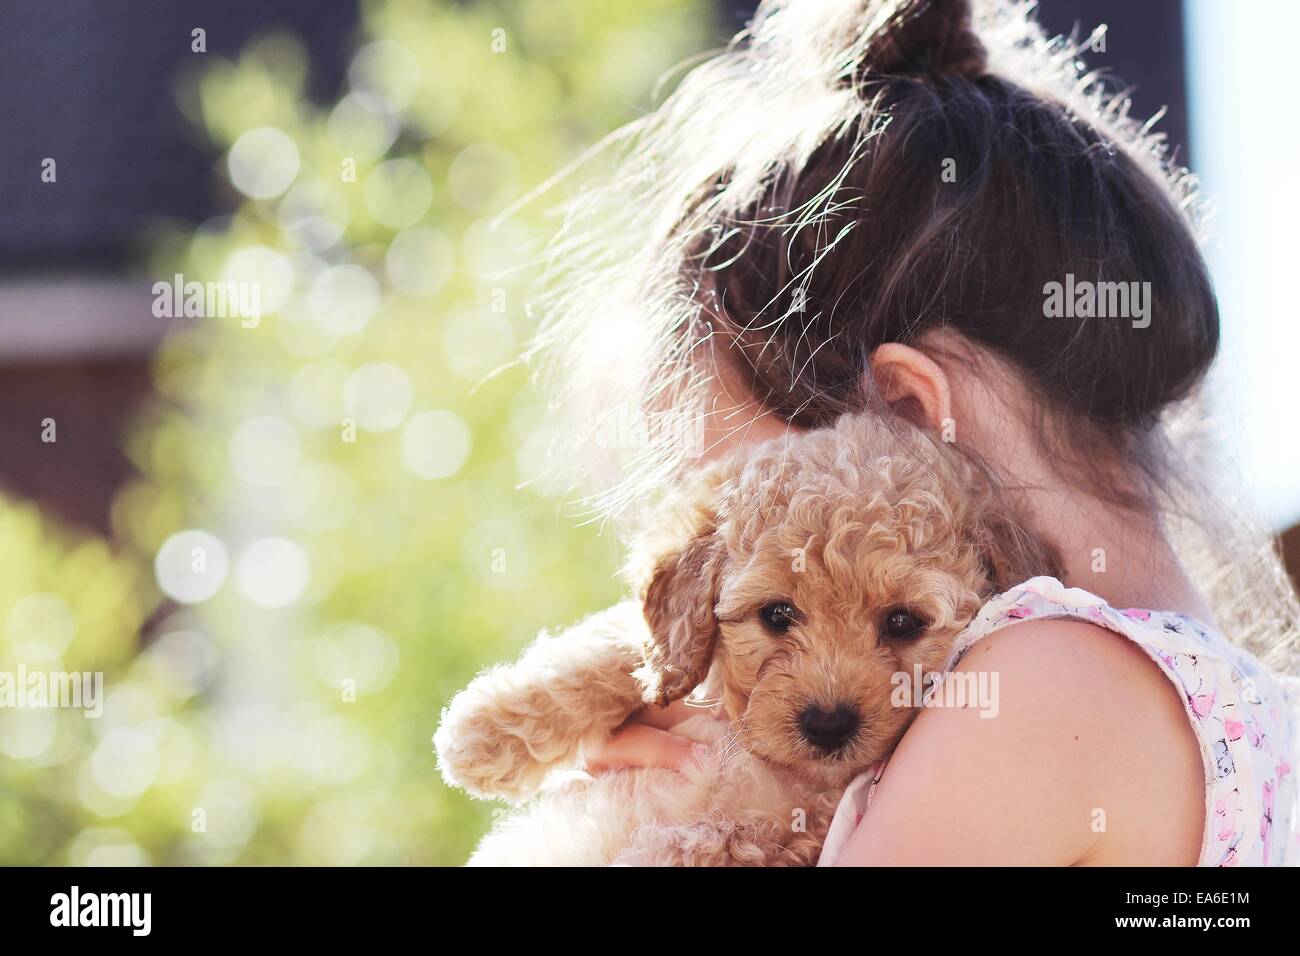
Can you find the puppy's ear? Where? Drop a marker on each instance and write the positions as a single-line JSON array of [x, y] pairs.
[[678, 596], [1012, 554]]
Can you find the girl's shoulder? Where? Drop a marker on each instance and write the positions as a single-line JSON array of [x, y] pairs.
[[1067, 754], [1122, 736], [1242, 717]]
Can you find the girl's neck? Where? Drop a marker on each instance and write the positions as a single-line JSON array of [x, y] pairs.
[[1118, 554]]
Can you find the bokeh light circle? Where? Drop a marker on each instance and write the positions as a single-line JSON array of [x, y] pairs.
[[385, 71], [420, 260], [344, 298], [398, 193], [191, 566], [125, 763], [482, 177], [263, 163], [26, 734], [44, 619], [270, 271], [378, 396], [435, 444], [273, 572], [316, 392], [361, 130], [356, 652]]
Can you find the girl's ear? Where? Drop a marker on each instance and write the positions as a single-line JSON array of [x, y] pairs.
[[679, 590], [909, 380]]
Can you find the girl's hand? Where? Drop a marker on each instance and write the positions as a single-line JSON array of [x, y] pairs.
[[644, 740]]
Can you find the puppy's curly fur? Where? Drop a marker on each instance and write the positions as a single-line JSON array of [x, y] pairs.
[[838, 529]]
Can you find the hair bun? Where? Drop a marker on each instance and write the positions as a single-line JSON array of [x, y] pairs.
[[929, 38]]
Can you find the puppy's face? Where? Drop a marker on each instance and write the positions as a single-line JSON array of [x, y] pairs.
[[829, 570], [824, 614]]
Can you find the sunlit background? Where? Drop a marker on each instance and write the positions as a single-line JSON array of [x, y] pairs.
[[286, 545], [1244, 138]]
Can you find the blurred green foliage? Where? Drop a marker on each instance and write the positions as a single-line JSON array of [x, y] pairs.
[[376, 535]]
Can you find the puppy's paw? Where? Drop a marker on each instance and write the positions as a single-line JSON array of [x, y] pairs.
[[504, 734], [490, 750]]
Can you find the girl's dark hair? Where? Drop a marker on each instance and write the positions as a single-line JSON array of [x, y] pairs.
[[856, 172], [849, 173], [957, 198]]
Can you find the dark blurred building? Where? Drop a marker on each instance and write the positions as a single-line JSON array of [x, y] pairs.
[[92, 85]]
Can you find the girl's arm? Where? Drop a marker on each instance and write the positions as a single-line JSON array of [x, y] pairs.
[[1090, 760]]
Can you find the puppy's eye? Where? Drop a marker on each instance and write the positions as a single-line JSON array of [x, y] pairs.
[[900, 624], [779, 616]]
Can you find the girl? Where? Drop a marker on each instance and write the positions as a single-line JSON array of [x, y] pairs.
[[876, 205]]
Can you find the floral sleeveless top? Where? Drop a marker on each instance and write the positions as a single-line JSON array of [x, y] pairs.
[[1242, 715]]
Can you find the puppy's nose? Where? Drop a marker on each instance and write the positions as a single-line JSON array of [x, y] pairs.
[[829, 729]]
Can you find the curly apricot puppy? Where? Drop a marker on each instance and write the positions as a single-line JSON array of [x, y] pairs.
[[791, 590]]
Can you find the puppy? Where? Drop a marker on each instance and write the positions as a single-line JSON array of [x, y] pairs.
[[785, 594]]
